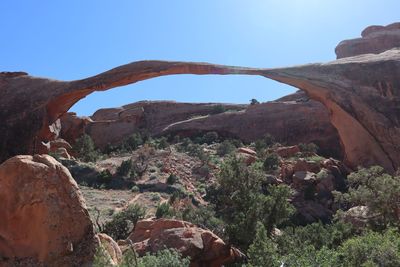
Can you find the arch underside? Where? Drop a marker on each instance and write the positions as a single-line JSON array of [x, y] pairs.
[[347, 88]]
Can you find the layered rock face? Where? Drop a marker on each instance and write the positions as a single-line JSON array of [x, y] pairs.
[[361, 94], [44, 220], [202, 246], [310, 123], [374, 40], [111, 126]]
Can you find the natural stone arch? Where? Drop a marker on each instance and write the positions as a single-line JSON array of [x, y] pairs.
[[350, 88]]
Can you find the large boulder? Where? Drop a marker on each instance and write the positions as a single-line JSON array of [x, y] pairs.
[[202, 246], [44, 219]]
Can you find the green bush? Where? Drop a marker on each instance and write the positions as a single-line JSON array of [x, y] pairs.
[[310, 148], [254, 101], [133, 142], [135, 189], [226, 147], [240, 200], [205, 217], [263, 251], [263, 143], [218, 109], [123, 222], [172, 179], [164, 210], [379, 191], [271, 162], [125, 168], [210, 137], [85, 149], [163, 258], [372, 249], [104, 177], [162, 143]]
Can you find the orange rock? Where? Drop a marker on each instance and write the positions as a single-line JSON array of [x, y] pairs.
[[375, 39], [43, 214], [287, 151], [203, 246], [111, 247], [248, 151]]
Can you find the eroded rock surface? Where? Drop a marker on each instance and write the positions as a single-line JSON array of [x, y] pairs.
[[361, 93], [202, 246], [292, 120], [43, 215], [374, 40]]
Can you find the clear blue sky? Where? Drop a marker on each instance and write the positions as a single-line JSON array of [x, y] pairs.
[[74, 39]]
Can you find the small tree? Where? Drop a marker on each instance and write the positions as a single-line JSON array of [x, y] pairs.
[[271, 162], [379, 191], [133, 141], [241, 201], [254, 101], [85, 149], [124, 222], [225, 148], [125, 168], [163, 210], [310, 148], [263, 252], [172, 179]]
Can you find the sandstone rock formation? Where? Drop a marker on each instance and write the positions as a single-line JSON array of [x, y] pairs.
[[202, 246], [361, 93], [375, 40], [311, 123], [30, 107], [43, 215]]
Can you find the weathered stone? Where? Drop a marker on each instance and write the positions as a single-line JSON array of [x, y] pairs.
[[43, 214], [204, 247]]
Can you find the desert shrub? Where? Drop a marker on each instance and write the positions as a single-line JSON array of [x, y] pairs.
[[154, 196], [85, 149], [263, 143], [317, 235], [125, 168], [254, 101], [226, 147], [104, 177], [371, 249], [172, 179], [263, 251], [210, 137], [164, 210], [123, 222], [241, 201], [310, 148], [164, 258], [162, 143], [205, 217], [218, 109], [271, 162], [379, 191], [133, 142], [101, 258], [135, 189]]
